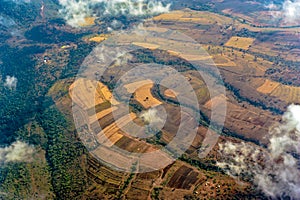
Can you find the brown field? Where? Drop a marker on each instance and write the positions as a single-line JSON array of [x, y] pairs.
[[94, 118], [278, 49], [223, 61], [136, 193], [193, 52], [211, 18], [215, 21], [244, 120], [248, 121], [198, 85], [257, 82], [261, 18], [219, 186], [268, 87], [183, 178], [229, 11], [113, 131], [176, 118], [109, 138], [133, 145], [109, 180], [180, 179], [240, 42], [242, 64], [141, 185]]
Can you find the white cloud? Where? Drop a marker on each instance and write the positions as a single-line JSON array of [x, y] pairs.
[[75, 11], [11, 82], [272, 6], [17, 152], [150, 116], [274, 170], [289, 10], [135, 7]]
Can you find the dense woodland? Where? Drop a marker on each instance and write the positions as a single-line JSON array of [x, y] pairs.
[[27, 107]]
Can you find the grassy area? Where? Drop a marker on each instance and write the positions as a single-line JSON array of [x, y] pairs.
[[240, 42]]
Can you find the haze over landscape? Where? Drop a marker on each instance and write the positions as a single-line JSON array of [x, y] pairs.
[[148, 99]]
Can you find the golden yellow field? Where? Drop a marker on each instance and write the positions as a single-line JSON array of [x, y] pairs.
[[268, 87], [188, 15], [101, 114], [107, 94], [170, 93], [194, 20], [157, 29], [215, 101], [132, 87], [90, 93], [192, 57], [98, 39], [287, 93], [87, 93], [240, 42], [169, 16], [146, 45], [204, 17], [88, 21], [144, 96], [187, 50], [113, 131]]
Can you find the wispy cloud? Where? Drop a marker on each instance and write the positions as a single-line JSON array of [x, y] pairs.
[[274, 170], [17, 152], [11, 82], [151, 116], [289, 10], [75, 11]]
